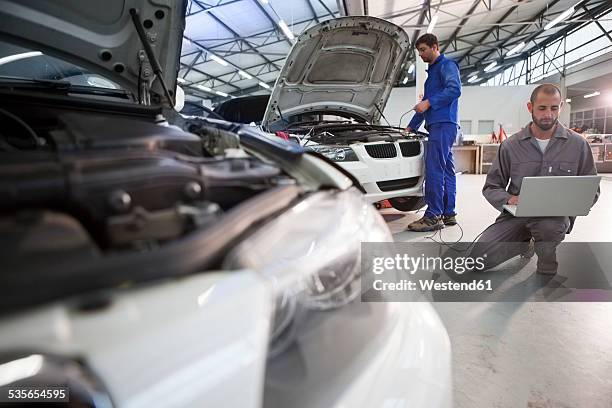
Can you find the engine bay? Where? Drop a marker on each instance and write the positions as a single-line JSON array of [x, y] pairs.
[[108, 180], [342, 133]]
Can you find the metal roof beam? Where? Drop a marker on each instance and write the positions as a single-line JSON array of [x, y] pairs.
[[271, 20], [463, 21], [489, 31], [228, 28], [605, 6]]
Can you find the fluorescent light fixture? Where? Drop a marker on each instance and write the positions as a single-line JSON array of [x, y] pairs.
[[285, 28], [203, 88], [568, 100], [263, 84], [596, 93], [411, 69], [405, 81], [432, 24], [473, 79], [221, 94], [559, 18], [17, 57], [218, 60], [180, 80], [490, 66], [244, 74], [516, 49]]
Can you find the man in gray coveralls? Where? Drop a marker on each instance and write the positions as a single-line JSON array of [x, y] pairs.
[[543, 148]]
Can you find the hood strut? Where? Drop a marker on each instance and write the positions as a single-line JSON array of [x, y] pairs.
[[150, 55]]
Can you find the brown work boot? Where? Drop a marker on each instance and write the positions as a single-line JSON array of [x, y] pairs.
[[426, 224], [449, 220]]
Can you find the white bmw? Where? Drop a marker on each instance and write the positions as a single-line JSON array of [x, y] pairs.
[[142, 265]]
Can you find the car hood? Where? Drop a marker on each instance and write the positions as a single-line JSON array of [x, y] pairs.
[[100, 35], [343, 66]]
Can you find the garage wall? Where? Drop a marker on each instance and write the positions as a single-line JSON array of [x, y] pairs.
[[505, 105]]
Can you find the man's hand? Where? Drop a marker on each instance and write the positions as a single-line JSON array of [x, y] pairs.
[[409, 129], [422, 106], [513, 200]]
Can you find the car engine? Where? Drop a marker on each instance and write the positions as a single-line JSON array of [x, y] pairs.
[[342, 133], [81, 182]]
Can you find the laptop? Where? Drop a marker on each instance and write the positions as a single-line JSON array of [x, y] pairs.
[[555, 196]]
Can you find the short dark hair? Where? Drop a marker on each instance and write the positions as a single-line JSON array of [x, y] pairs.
[[548, 89], [428, 39]]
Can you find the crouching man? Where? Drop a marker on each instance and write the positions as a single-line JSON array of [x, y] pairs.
[[543, 148]]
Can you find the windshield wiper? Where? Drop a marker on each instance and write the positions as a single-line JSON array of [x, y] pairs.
[[47, 83]]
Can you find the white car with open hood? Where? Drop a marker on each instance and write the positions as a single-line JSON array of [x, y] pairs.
[[151, 260], [332, 91]]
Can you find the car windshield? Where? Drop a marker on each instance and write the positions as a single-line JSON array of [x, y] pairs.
[[22, 64]]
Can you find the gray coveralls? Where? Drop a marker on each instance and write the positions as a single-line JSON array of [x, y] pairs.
[[567, 154]]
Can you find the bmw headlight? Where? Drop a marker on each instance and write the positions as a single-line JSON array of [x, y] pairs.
[[336, 153], [311, 256]]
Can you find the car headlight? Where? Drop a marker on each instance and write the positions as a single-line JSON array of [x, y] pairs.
[[24, 371], [336, 153], [311, 256]]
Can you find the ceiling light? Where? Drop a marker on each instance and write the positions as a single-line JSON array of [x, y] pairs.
[[203, 88], [264, 85], [559, 18], [516, 49], [432, 24], [218, 60], [568, 100], [473, 79], [285, 28], [180, 80], [221, 94], [405, 81], [596, 93], [490, 66], [411, 69], [244, 74]]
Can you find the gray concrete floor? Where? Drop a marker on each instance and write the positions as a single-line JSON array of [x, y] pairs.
[[532, 354]]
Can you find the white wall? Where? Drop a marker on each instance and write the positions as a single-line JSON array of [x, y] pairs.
[[505, 105]]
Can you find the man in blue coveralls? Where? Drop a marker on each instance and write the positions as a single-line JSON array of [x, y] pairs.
[[439, 111]]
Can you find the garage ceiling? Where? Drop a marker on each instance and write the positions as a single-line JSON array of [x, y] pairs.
[[237, 47]]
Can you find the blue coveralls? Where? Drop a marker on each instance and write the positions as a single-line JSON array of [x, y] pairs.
[[442, 90]]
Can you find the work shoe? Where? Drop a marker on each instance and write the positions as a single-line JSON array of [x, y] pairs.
[[426, 224], [530, 251], [449, 220]]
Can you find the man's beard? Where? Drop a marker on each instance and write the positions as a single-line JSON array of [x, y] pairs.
[[544, 126]]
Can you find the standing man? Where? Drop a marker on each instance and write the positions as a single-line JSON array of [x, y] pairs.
[[439, 111], [542, 148]]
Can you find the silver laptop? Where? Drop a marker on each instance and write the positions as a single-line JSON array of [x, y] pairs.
[[555, 196]]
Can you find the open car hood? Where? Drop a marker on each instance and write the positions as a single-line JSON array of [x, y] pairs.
[[100, 35], [343, 66]]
